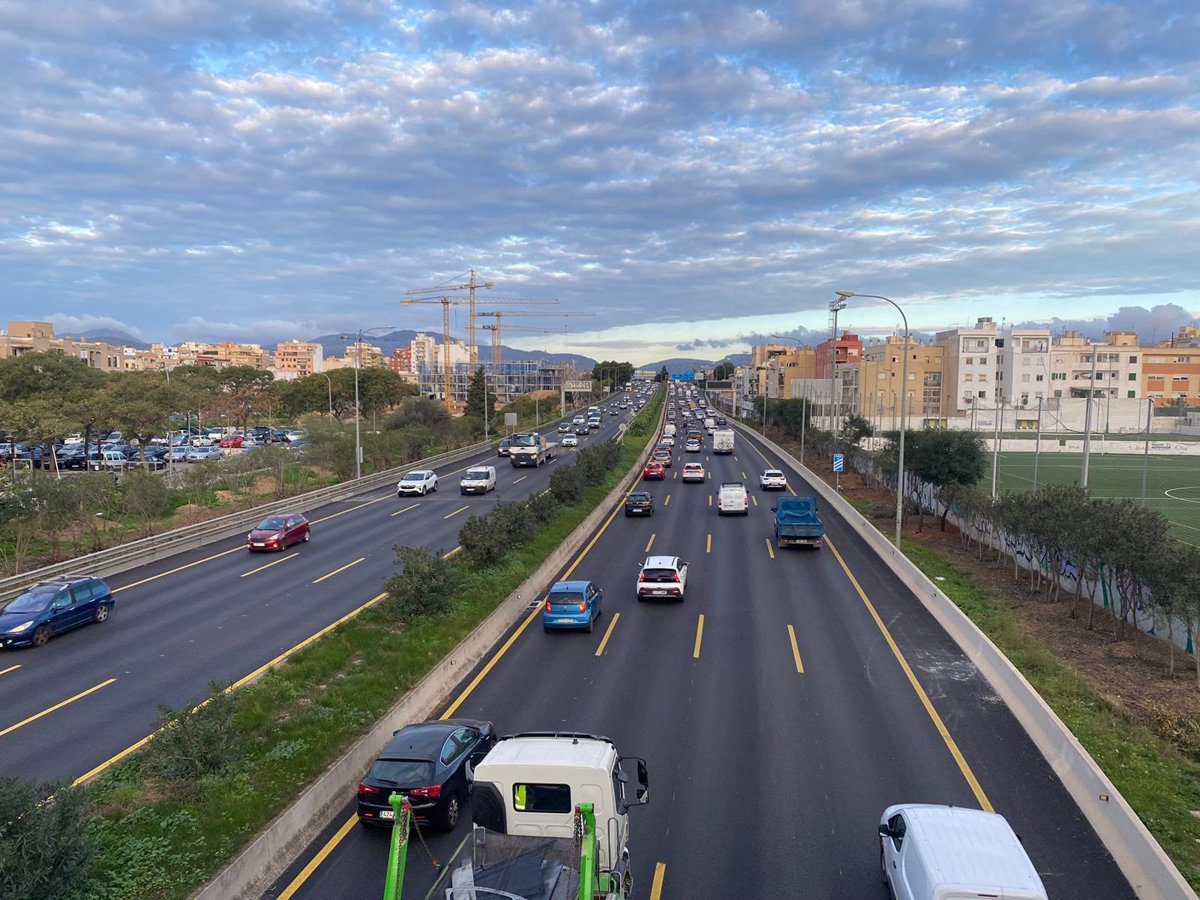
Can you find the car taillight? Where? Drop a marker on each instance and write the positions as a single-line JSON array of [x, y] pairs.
[[429, 793], [365, 790], [583, 607], [641, 576], [547, 606], [676, 577]]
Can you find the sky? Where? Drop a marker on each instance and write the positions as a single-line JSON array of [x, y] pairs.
[[692, 174]]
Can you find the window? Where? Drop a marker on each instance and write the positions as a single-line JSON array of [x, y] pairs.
[[542, 798], [1025, 377], [983, 376], [83, 592], [1039, 378], [1133, 360], [970, 360], [983, 395], [1025, 360], [1133, 376], [458, 741], [968, 377], [1179, 379], [1058, 393], [898, 829], [1131, 393]]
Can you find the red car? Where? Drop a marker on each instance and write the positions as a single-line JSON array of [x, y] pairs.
[[277, 532], [233, 440], [654, 470]]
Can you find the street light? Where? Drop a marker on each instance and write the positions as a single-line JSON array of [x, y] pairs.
[[844, 296], [835, 306], [357, 409], [329, 384]]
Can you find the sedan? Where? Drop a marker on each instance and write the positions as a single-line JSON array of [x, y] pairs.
[[564, 427], [772, 480], [639, 503], [663, 455], [203, 454], [582, 428], [569, 440], [692, 446], [572, 604], [654, 469], [693, 472], [427, 763], [233, 441], [52, 607], [178, 454], [418, 481], [277, 532]]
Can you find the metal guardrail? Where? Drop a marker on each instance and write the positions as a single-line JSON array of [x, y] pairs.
[[131, 554]]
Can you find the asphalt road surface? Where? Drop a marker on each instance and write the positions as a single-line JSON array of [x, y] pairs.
[[776, 717], [220, 612]]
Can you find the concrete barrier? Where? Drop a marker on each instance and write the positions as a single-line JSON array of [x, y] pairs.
[[269, 854], [1150, 871]]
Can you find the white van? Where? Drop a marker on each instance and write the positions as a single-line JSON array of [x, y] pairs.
[[669, 430], [948, 853]]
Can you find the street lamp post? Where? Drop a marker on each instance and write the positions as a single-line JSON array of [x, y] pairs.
[[357, 409], [329, 384], [844, 296]]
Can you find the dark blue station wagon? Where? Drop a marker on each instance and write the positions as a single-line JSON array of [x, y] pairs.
[[52, 607]]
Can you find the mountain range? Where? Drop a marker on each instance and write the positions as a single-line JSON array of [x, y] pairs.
[[678, 364]]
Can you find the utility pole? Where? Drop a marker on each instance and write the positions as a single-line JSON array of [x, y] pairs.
[[1087, 424], [1037, 445], [996, 446], [1146, 449]]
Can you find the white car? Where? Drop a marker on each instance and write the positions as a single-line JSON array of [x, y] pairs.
[[693, 472], [667, 440], [662, 576], [732, 499], [772, 480], [569, 440], [418, 481], [478, 480], [693, 445]]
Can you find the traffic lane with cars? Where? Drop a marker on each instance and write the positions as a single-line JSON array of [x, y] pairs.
[[169, 636], [841, 740]]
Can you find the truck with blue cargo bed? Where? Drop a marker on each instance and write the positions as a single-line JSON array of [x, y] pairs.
[[797, 522]]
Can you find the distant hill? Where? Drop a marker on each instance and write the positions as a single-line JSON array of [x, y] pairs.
[[679, 364], [116, 338], [335, 345]]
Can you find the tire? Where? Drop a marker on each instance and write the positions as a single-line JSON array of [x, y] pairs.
[[447, 817], [591, 625], [640, 598], [307, 535], [42, 636], [101, 613]]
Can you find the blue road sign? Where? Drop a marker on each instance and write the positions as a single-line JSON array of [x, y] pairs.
[[839, 462], [684, 376]]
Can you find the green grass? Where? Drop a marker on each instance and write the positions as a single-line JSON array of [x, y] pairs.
[[297, 719], [1172, 482], [1160, 783]]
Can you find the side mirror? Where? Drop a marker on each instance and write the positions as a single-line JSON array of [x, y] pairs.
[[885, 831]]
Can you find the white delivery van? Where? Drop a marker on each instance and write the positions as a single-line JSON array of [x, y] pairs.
[[933, 852], [732, 499], [669, 430]]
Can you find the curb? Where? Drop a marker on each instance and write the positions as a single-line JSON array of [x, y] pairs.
[[273, 850], [1150, 872]]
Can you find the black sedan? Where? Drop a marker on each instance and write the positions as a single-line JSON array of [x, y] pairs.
[[426, 762], [639, 503]]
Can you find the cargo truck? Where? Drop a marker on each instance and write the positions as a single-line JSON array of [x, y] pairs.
[[530, 449], [797, 523]]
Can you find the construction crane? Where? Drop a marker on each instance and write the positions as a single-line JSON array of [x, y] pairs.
[[446, 368], [471, 285], [497, 350], [499, 326]]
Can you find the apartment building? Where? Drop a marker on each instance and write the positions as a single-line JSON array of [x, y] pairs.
[[298, 359], [401, 361], [1115, 372], [881, 373], [1023, 358], [38, 337], [785, 374], [972, 373], [838, 360], [1171, 369]]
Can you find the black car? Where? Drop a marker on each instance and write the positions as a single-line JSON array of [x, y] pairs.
[[428, 763], [639, 503], [504, 448]]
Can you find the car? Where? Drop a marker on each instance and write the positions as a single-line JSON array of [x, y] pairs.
[[733, 499], [109, 461], [178, 454], [692, 446], [418, 481], [232, 441], [667, 440], [639, 503], [579, 420], [52, 607], [663, 455], [427, 762], [772, 480], [478, 480], [582, 428], [564, 427], [614, 412], [693, 472], [572, 604], [296, 434], [662, 576], [569, 440], [279, 532], [654, 469], [203, 454], [505, 447]]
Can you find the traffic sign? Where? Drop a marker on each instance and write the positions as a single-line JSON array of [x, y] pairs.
[[684, 376], [839, 462], [578, 387]]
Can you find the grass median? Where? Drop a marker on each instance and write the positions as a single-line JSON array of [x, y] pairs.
[[170, 816]]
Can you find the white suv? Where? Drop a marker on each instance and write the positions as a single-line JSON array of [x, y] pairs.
[[772, 480], [418, 481], [693, 472], [662, 576]]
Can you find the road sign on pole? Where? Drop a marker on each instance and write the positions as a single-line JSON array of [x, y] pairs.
[[839, 462], [578, 387]]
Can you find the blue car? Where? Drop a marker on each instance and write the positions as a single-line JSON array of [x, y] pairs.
[[572, 604], [52, 607]]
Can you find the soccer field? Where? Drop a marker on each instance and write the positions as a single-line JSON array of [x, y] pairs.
[[1172, 482]]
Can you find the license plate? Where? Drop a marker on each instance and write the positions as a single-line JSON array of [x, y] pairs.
[[387, 814], [259, 544], [662, 593], [565, 621]]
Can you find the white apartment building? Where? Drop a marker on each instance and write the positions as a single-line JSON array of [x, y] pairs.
[[1023, 357], [458, 352], [424, 351], [972, 369], [1118, 366]]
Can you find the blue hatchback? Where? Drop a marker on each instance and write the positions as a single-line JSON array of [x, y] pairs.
[[572, 604], [53, 607]]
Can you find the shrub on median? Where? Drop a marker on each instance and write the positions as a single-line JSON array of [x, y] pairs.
[[44, 844]]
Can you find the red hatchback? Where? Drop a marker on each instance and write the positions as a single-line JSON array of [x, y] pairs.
[[277, 532], [233, 440], [654, 470]]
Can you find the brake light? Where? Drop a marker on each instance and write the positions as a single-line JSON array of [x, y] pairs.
[[676, 577], [583, 607], [429, 793], [365, 790], [641, 576], [547, 606]]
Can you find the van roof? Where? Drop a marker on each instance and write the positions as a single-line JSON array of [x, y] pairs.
[[547, 750], [972, 847]]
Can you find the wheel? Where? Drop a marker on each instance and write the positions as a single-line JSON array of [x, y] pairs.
[[307, 535], [41, 636], [640, 598], [448, 817], [591, 625], [423, 490], [101, 613]]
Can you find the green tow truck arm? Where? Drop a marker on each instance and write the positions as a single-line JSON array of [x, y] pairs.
[[587, 852], [393, 888]]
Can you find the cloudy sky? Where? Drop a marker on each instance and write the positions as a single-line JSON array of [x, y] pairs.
[[691, 172]]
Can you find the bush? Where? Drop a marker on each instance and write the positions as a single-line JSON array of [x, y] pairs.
[[145, 495], [423, 587], [192, 743], [44, 844], [481, 541]]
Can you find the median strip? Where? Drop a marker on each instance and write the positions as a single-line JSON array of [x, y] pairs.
[[45, 712]]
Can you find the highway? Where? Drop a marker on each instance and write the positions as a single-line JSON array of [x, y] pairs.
[[70, 709], [781, 707]]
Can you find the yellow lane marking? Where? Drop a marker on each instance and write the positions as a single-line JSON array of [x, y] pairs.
[[667, 502], [406, 509], [770, 549], [10, 669], [976, 789], [795, 650], [656, 886], [336, 571], [456, 512], [126, 587], [650, 543], [268, 565], [607, 634], [352, 509], [457, 550], [708, 544], [790, 491], [519, 480], [109, 763], [45, 712], [754, 499], [315, 862], [699, 635], [535, 612]]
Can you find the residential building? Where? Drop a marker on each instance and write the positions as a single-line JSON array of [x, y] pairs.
[[837, 361], [1171, 370], [38, 337], [1023, 358], [972, 374], [787, 373], [881, 373], [303, 358], [1116, 371], [364, 356], [402, 360], [423, 349]]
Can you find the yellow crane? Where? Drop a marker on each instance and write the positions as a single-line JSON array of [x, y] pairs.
[[445, 302], [499, 326]]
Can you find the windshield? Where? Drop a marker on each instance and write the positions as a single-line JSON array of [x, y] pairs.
[[773, 473], [34, 600], [560, 597], [403, 773], [414, 476], [271, 524], [475, 476], [523, 440]]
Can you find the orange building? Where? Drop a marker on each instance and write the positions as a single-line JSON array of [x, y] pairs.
[[1171, 370]]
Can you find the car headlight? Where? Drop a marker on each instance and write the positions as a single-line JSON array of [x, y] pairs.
[[24, 626]]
